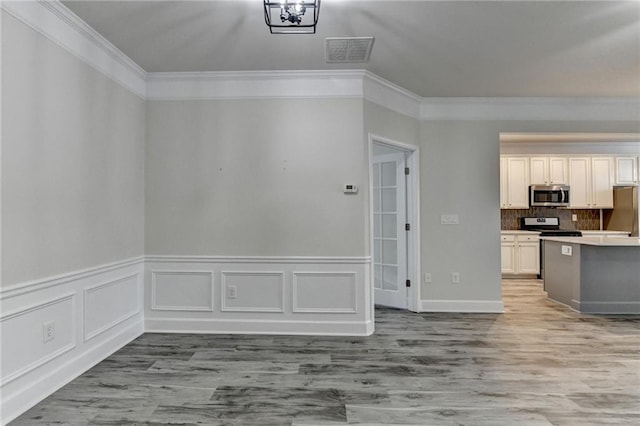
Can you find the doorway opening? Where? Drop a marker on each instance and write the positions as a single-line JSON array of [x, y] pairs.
[[394, 217]]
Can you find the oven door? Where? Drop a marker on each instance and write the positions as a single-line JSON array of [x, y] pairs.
[[549, 196]]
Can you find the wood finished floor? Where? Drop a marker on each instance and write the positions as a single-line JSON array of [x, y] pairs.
[[537, 364]]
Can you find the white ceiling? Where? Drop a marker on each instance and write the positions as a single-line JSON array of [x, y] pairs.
[[432, 48]]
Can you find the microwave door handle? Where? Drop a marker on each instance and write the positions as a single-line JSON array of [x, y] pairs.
[[562, 194]]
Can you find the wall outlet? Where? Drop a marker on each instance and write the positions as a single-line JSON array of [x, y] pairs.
[[232, 292], [427, 277], [48, 331], [574, 217], [566, 250], [455, 277]]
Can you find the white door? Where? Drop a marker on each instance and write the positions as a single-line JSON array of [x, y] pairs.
[[389, 234]]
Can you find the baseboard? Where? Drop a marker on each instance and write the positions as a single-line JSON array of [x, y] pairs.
[[260, 326], [606, 308], [463, 306], [38, 388], [91, 314]]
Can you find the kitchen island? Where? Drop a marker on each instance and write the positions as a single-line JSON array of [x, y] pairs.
[[593, 274]]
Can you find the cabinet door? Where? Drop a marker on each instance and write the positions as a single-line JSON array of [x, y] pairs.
[[579, 181], [528, 257], [538, 170], [558, 171], [518, 183], [602, 182], [626, 170], [508, 256], [503, 182]]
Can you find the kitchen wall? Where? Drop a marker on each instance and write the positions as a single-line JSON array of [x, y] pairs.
[[461, 174], [588, 219]]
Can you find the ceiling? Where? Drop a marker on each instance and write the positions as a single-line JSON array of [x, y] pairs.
[[432, 48]]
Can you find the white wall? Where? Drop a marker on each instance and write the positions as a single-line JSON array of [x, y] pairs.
[[72, 163], [460, 174], [255, 178], [72, 216], [248, 194]]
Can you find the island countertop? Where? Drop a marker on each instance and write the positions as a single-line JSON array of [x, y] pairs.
[[597, 241]]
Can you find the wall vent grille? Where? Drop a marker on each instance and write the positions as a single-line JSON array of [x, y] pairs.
[[348, 49]]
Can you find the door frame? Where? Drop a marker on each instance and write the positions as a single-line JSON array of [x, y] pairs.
[[413, 216]]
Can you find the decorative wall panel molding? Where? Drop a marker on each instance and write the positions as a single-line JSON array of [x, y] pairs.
[[324, 292], [87, 315], [24, 329], [109, 304], [527, 109], [57, 23], [255, 85], [258, 295], [182, 291], [249, 291]]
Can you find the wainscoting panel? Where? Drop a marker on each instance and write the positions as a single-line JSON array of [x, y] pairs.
[[275, 295], [107, 305], [327, 292], [182, 291], [26, 328], [56, 328], [252, 291]]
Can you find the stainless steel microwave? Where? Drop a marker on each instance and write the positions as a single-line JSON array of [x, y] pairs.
[[549, 196]]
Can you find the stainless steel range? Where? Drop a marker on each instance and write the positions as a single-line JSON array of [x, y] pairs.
[[548, 227]]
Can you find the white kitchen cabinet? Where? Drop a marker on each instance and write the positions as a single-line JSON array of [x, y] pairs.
[[528, 256], [591, 182], [548, 170], [520, 254], [508, 254], [514, 182], [626, 170]]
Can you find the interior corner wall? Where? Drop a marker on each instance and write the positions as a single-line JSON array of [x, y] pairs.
[[460, 174], [248, 227], [72, 161], [72, 217]]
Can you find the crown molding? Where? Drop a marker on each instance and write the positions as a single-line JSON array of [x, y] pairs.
[[539, 109], [255, 85], [390, 95], [57, 23]]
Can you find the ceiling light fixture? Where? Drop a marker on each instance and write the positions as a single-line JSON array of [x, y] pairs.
[[291, 16]]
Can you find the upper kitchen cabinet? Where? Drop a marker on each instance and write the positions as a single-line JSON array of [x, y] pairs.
[[514, 182], [626, 170], [548, 171], [591, 182]]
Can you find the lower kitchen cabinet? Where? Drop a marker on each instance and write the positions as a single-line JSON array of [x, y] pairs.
[[520, 254]]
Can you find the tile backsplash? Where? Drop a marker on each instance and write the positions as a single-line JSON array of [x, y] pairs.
[[587, 219]]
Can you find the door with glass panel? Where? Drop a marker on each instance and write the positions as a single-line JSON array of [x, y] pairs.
[[389, 233]]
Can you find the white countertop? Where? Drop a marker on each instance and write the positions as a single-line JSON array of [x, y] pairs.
[[518, 232], [598, 241], [588, 233]]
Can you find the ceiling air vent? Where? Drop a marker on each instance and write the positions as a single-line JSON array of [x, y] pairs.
[[348, 49]]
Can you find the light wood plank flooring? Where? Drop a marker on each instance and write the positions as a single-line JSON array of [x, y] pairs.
[[539, 363]]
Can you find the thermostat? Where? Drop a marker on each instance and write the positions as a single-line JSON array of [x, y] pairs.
[[350, 189]]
